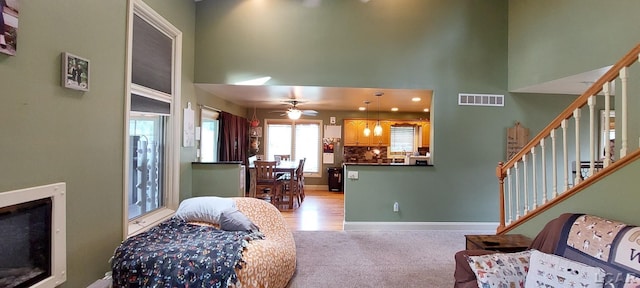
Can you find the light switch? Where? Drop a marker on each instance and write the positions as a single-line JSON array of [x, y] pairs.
[[352, 175]]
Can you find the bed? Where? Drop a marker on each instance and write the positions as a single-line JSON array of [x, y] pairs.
[[200, 252]]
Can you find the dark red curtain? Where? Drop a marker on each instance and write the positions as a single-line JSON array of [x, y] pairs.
[[234, 138]]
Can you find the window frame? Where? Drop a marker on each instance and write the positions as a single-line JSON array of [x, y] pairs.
[[171, 178], [267, 122]]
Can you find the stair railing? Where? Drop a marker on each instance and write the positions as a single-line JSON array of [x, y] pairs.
[[576, 156]]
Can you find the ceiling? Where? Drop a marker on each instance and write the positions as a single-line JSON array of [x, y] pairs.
[[349, 98], [321, 98]]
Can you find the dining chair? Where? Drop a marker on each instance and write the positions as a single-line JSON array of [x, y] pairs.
[[268, 184], [296, 190]]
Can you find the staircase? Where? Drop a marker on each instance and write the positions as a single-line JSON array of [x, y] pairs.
[[581, 146]]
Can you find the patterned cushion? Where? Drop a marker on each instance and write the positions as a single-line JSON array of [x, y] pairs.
[[500, 269], [548, 270]]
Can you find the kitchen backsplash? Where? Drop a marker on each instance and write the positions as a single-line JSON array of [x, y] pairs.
[[361, 154]]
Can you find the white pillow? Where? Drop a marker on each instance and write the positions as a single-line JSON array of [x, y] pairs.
[[548, 270], [206, 209], [500, 269]]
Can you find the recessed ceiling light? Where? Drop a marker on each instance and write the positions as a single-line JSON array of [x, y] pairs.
[[426, 109], [394, 109], [416, 99], [362, 108]]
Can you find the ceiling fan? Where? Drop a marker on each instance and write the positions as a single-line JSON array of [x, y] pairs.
[[294, 113]]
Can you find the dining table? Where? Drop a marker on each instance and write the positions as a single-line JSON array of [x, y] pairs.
[[289, 167]]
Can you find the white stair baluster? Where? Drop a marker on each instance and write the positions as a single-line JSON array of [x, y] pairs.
[[576, 117], [534, 179], [554, 159], [607, 122], [565, 155], [544, 172], [517, 192], [592, 129], [624, 75], [524, 187]]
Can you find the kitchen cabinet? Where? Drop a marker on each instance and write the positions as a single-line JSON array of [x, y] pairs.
[[426, 133], [354, 133]]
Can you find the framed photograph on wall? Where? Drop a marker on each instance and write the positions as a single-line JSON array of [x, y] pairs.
[[75, 72], [9, 26]]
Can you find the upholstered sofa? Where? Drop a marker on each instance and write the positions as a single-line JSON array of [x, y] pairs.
[[584, 239]]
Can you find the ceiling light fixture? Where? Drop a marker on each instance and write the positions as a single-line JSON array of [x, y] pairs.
[[416, 99], [394, 109], [294, 113], [367, 131], [377, 130]]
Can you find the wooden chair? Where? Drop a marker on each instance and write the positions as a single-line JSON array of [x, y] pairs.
[[297, 191], [268, 184]]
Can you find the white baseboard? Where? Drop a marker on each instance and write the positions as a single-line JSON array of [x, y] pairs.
[[488, 227]]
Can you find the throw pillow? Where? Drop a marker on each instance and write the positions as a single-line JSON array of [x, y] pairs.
[[500, 269], [548, 270], [204, 209], [234, 220]]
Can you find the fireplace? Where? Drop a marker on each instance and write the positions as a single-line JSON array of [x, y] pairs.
[[33, 229]]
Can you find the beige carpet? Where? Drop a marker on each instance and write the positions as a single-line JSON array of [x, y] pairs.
[[376, 258]]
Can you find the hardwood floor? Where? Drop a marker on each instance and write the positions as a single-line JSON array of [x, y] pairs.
[[321, 210]]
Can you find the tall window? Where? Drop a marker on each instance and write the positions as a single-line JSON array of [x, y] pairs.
[[153, 122], [301, 139], [209, 137]]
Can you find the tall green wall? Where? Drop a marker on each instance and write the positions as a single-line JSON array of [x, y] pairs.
[[52, 134], [551, 39]]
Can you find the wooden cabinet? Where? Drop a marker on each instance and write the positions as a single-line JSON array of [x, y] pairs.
[[426, 134], [354, 133]]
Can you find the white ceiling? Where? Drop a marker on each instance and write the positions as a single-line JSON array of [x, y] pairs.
[[320, 98], [345, 98]]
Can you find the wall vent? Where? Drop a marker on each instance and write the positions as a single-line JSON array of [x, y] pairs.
[[480, 99]]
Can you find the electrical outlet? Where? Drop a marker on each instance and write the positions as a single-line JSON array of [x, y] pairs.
[[396, 207], [352, 175]]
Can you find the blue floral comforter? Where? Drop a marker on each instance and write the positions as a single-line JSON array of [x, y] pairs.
[[177, 254]]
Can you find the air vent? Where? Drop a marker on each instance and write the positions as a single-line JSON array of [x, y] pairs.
[[480, 99]]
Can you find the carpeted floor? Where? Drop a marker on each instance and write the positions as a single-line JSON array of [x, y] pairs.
[[376, 258]]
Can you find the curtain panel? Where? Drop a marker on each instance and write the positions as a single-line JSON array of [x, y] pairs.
[[234, 138]]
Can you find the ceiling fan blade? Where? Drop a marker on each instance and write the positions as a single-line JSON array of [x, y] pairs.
[[309, 112]]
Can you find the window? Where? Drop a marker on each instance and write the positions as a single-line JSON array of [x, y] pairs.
[[300, 140], [403, 139], [209, 138], [152, 139]]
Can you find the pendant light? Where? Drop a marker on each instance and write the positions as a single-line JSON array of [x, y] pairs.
[[377, 131], [367, 131]]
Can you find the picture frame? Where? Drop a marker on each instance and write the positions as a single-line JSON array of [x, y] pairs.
[[75, 72]]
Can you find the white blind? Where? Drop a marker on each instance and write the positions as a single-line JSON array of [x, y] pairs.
[[403, 138]]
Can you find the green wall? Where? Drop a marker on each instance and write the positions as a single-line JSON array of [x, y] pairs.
[[551, 39], [217, 180], [447, 46], [53, 134]]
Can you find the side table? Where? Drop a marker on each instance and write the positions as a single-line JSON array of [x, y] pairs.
[[503, 243]]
